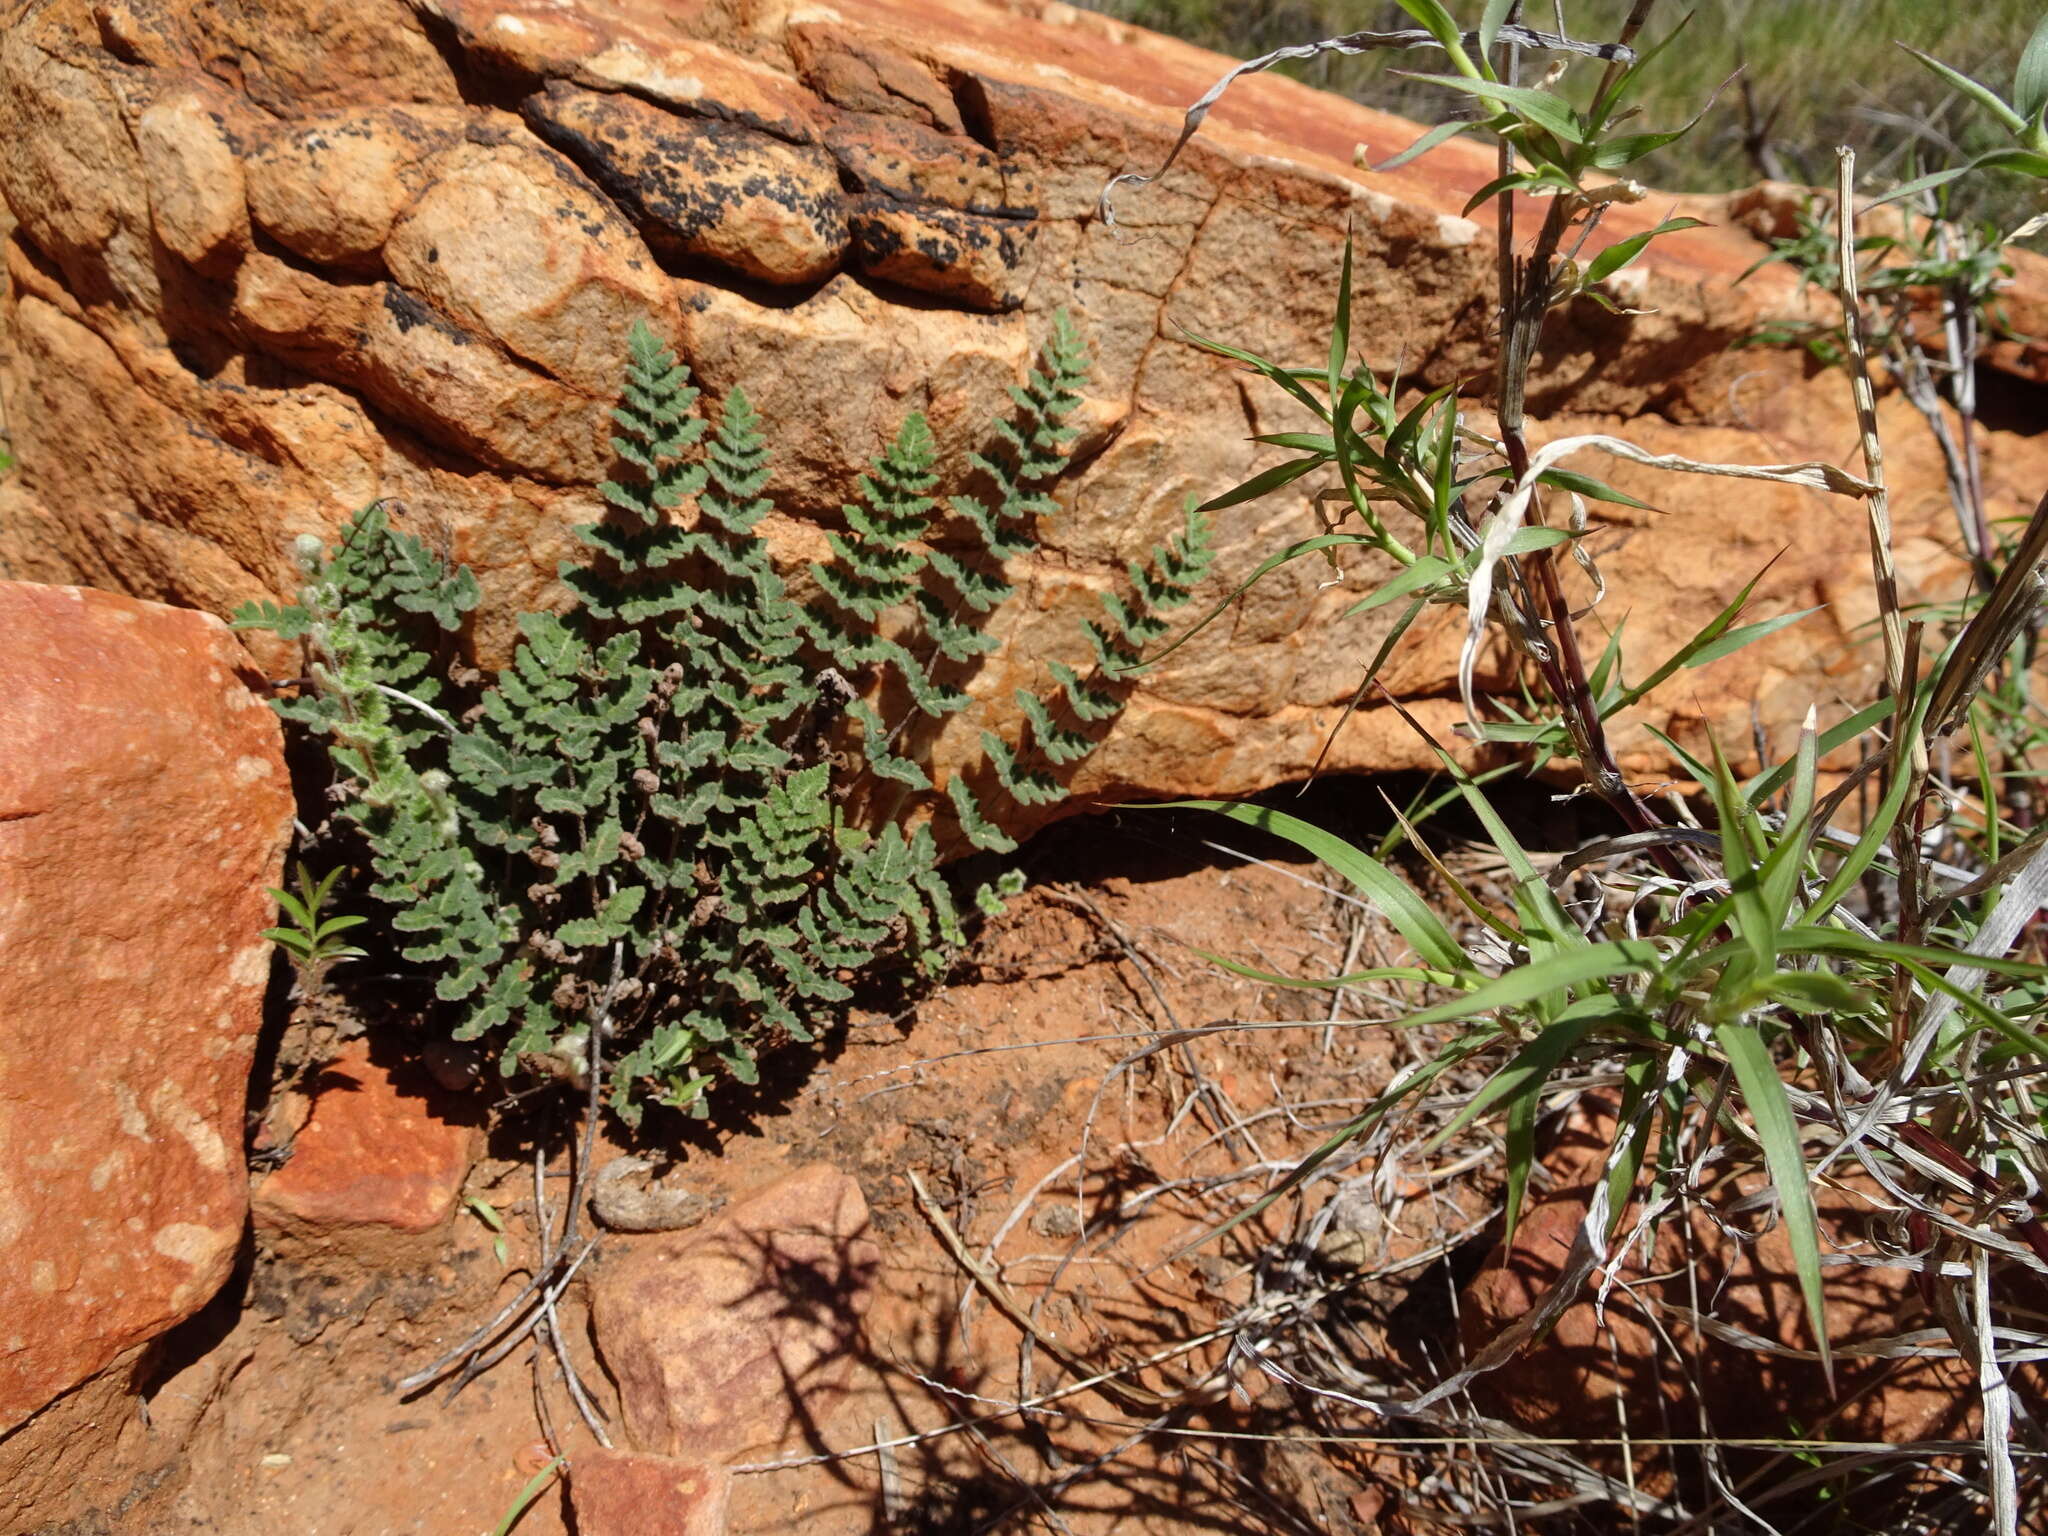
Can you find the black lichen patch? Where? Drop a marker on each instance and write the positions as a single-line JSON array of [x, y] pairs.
[[408, 310], [920, 165], [692, 184], [942, 251]]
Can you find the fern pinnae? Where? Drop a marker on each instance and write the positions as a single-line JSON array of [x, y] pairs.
[[1167, 581], [638, 826]]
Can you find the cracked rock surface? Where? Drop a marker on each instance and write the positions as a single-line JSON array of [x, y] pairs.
[[269, 262]]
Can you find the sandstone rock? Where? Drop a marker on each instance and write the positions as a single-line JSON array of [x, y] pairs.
[[703, 189], [981, 262], [196, 192], [620, 1493], [881, 209], [509, 242], [646, 48], [460, 392], [912, 163], [330, 187], [317, 55], [722, 1340], [298, 316], [143, 809], [72, 175], [866, 74], [375, 1153], [83, 1453]]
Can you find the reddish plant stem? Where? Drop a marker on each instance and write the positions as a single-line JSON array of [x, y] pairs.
[[2029, 1228]]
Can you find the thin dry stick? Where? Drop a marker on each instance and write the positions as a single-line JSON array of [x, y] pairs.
[[549, 1329], [483, 1362], [1129, 1394], [544, 1280], [1878, 501]]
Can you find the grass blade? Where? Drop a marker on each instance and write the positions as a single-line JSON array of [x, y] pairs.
[[1976, 90], [1764, 1092], [1389, 895], [1320, 542]]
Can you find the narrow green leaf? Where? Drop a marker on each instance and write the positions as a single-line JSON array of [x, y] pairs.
[[1779, 874], [1713, 630], [1535, 1061], [1919, 184], [1410, 428], [1518, 1148], [1764, 1092], [1428, 569], [292, 907], [1590, 488], [1820, 992], [1978, 92], [1264, 483], [1497, 833], [1491, 20], [526, 1495], [1638, 1074], [1316, 545], [1548, 112], [1340, 332], [1605, 961], [2030, 78], [1869, 844], [1514, 181], [2028, 162], [1386, 891], [1526, 541], [1622, 85], [1759, 789], [1739, 852], [1442, 133], [1735, 639], [1622, 252], [1610, 154], [1841, 943], [1444, 29], [1289, 379]]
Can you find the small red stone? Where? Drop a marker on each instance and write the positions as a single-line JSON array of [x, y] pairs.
[[373, 1154], [623, 1493]]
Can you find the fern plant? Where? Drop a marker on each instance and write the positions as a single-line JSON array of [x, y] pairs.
[[691, 810]]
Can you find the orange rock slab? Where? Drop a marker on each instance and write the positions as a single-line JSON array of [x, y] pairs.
[[723, 1339], [372, 1154], [144, 808]]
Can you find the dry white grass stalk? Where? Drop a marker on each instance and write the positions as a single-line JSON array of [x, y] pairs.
[[1507, 520], [1879, 501], [1350, 43]]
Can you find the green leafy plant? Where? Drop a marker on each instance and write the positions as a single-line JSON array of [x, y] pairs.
[[2024, 117], [1789, 993], [487, 1213], [312, 939], [692, 811], [522, 1501]]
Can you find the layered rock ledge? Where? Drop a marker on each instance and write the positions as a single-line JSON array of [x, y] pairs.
[[273, 260]]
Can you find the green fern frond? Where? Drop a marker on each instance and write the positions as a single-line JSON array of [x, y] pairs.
[[659, 429], [679, 810]]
